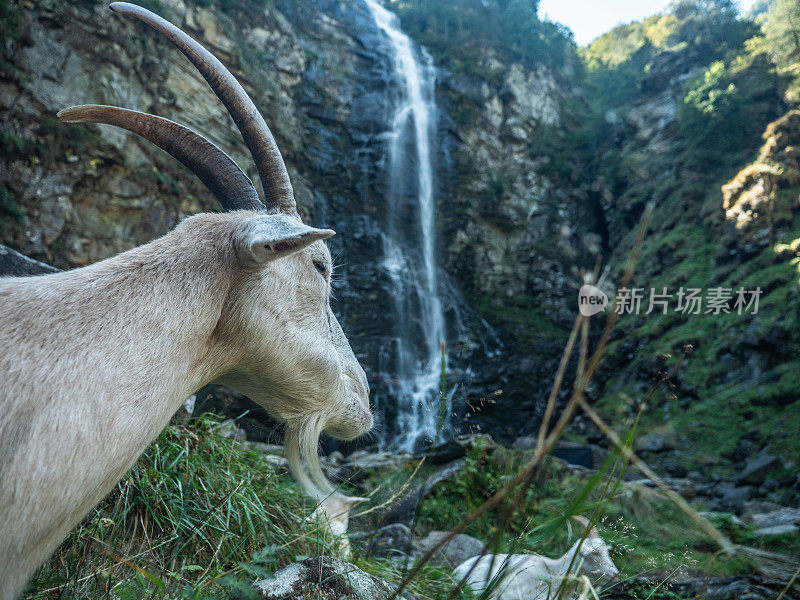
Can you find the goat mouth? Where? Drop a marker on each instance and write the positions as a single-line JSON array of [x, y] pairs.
[[358, 423]]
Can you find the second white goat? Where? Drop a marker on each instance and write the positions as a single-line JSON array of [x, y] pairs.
[[536, 577]]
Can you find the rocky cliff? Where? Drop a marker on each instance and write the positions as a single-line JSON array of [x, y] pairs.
[[319, 71]]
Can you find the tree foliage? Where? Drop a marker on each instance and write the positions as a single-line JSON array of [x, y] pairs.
[[457, 30], [709, 58], [781, 26], [726, 107], [726, 74]]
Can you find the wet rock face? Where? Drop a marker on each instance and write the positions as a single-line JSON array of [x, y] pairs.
[[504, 235], [73, 195], [517, 225], [759, 201], [321, 74]]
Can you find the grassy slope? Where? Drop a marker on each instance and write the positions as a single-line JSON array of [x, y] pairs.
[[202, 517], [742, 370], [197, 517]]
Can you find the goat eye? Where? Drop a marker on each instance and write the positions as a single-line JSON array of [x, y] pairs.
[[321, 267]]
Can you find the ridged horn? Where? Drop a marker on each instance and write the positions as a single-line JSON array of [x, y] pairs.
[[215, 169], [271, 168]]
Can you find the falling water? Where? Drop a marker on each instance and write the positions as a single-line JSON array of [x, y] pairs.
[[409, 255]]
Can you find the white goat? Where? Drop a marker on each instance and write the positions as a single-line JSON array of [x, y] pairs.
[[535, 577], [95, 361]]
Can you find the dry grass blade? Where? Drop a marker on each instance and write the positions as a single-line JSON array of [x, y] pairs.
[[724, 543], [772, 565], [587, 589], [394, 496], [562, 367]]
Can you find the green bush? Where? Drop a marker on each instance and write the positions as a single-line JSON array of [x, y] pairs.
[[197, 516]]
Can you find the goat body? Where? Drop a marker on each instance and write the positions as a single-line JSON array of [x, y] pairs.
[[95, 361], [102, 357], [535, 577], [99, 359]]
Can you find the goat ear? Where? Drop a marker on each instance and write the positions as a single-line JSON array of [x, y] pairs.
[[586, 524], [270, 237]]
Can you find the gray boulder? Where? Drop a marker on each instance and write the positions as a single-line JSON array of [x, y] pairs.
[[757, 469], [524, 442], [355, 468], [230, 429], [775, 522], [736, 497], [683, 487], [757, 507], [651, 442], [711, 514], [323, 578], [445, 453], [457, 550], [264, 448]]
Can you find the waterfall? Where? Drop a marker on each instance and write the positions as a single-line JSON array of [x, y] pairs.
[[409, 242]]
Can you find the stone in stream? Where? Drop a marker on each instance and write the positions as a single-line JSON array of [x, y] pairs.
[[683, 487], [780, 521]]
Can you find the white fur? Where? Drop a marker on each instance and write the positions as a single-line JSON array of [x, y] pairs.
[[535, 577], [95, 361]]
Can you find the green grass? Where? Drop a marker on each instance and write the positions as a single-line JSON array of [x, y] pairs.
[[197, 517], [717, 365], [521, 310], [648, 532]]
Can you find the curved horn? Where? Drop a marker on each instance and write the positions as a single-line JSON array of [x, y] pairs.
[[593, 533], [254, 130], [215, 169]]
